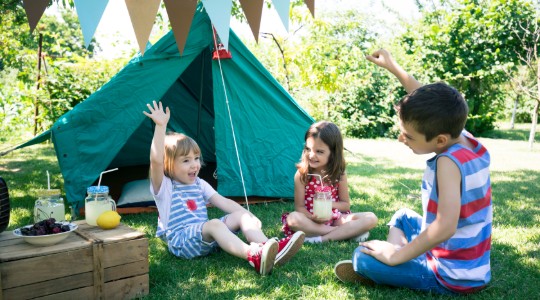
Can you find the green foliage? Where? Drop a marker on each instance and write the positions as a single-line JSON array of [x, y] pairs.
[[330, 52], [351, 92], [368, 112], [67, 75], [72, 83], [15, 103], [478, 124], [469, 44]]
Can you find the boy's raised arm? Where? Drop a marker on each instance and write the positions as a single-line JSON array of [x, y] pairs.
[[384, 59]]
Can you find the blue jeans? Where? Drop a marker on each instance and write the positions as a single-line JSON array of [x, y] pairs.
[[414, 274]]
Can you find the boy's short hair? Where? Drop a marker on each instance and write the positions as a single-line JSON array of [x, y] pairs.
[[434, 109], [176, 145]]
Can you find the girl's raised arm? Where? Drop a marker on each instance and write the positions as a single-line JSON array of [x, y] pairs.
[[157, 151]]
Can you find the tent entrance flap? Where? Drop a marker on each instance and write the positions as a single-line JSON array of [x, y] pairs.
[[197, 80]]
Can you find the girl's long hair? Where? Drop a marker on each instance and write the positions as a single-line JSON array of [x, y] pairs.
[[329, 134], [176, 145]]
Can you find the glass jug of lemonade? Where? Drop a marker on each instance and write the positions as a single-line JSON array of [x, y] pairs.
[[97, 202], [322, 204], [49, 205]]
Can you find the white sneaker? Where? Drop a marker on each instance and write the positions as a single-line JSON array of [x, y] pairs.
[[362, 238], [313, 240]]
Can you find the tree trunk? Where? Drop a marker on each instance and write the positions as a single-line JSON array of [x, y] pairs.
[[474, 89], [513, 120], [535, 110], [534, 122]]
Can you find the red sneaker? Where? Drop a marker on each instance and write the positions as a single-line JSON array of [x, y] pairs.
[[288, 247], [262, 256]]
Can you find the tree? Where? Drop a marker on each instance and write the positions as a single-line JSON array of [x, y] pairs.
[[468, 43], [529, 38], [66, 77]]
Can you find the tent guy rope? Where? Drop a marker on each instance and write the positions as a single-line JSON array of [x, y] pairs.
[[230, 119]]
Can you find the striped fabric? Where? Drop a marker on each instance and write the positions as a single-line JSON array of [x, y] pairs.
[[462, 263], [187, 207], [186, 217]]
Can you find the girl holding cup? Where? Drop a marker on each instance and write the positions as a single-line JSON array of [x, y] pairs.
[[321, 171]]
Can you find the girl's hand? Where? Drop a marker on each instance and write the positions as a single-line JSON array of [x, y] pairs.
[[383, 251], [157, 114], [316, 219]]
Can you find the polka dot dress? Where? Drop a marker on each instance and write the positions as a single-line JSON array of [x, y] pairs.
[[310, 192]]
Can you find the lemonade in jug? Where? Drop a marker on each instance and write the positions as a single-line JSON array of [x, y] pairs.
[[49, 205], [97, 202]]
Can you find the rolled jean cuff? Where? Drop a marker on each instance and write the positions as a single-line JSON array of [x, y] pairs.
[[408, 221]]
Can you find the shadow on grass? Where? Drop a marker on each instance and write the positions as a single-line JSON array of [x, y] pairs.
[[383, 190], [514, 274], [510, 134], [515, 201]]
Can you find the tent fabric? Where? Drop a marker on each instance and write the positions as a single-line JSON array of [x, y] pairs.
[[109, 130]]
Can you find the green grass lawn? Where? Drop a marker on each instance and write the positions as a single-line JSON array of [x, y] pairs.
[[384, 176]]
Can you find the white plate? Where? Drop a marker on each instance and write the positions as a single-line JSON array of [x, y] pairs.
[[46, 240]]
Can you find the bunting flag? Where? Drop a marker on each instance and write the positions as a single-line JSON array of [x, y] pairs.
[[253, 11], [219, 12], [311, 5], [142, 14], [282, 8], [180, 14], [90, 13], [34, 11]]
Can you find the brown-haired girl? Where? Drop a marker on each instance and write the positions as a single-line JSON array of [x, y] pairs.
[[323, 159]]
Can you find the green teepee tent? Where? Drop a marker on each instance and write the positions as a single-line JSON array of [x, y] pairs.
[[108, 130]]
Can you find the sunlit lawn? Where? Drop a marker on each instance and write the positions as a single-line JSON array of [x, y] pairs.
[[384, 176]]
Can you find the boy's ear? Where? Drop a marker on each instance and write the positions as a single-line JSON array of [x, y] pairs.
[[442, 140]]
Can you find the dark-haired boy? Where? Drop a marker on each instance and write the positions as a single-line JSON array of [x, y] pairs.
[[447, 250]]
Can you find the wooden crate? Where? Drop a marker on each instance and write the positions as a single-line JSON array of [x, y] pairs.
[[90, 264]]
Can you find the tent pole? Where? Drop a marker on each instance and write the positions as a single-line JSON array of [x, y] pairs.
[[200, 100]]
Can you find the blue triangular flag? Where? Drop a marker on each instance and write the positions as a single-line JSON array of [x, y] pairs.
[[219, 12], [90, 13], [282, 8]]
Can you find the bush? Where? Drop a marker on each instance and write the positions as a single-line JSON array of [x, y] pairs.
[[367, 109], [479, 124]]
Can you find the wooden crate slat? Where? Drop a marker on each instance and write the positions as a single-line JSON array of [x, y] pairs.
[[45, 288], [129, 288], [22, 249], [125, 252], [43, 268], [127, 270], [79, 294]]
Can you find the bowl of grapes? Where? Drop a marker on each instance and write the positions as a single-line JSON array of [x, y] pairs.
[[46, 232]]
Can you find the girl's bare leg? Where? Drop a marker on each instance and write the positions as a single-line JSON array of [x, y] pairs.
[[248, 224], [299, 222], [350, 226], [215, 230]]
